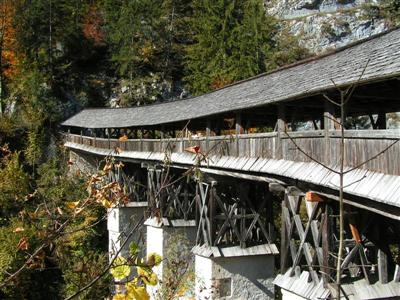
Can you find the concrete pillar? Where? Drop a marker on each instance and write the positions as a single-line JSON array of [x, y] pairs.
[[162, 236], [119, 223], [234, 272]]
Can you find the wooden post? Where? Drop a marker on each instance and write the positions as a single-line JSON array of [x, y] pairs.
[[238, 131], [213, 191], [325, 245], [242, 227], [108, 137], [381, 121], [218, 127], [284, 236], [280, 127], [382, 266], [208, 133], [162, 137], [329, 124], [141, 139]]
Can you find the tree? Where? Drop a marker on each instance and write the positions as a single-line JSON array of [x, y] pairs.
[[7, 43], [132, 33], [235, 40], [232, 42]]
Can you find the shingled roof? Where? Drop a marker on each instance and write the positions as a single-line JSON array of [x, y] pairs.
[[291, 83]]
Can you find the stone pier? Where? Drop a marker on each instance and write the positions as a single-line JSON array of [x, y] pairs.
[[234, 272]]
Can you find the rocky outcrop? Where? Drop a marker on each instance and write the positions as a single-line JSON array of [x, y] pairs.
[[323, 25]]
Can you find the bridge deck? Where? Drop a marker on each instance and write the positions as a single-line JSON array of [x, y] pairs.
[[279, 158]]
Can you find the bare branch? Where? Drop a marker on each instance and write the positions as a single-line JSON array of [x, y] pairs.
[[330, 100]]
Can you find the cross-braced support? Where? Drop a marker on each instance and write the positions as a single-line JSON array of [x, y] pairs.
[[239, 213], [309, 247], [170, 194]]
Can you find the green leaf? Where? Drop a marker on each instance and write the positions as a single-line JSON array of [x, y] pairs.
[[133, 249]]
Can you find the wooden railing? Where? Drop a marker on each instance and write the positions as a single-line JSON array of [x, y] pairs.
[[360, 145]]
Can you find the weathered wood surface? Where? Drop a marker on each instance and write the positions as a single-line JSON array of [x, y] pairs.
[[233, 214], [359, 147], [309, 246]]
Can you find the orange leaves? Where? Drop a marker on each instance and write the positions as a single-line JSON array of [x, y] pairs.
[[123, 138], [108, 166], [23, 244], [19, 229], [194, 149], [117, 150], [92, 27], [220, 82], [72, 205], [7, 31]]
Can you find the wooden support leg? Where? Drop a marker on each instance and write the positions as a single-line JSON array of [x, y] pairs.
[[284, 238]]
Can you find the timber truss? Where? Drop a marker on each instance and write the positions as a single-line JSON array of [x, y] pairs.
[[235, 213], [309, 245], [170, 194], [132, 181]]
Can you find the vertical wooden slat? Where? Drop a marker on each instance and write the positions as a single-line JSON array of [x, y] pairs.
[[329, 124], [284, 237], [280, 127], [382, 266], [239, 128], [212, 212], [325, 245], [208, 133]]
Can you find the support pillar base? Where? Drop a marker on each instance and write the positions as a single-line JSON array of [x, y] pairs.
[[234, 272]]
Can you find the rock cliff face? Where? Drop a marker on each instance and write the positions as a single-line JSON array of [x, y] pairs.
[[323, 25]]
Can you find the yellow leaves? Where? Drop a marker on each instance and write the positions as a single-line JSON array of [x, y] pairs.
[[120, 297], [106, 203], [136, 292], [120, 268], [147, 276], [72, 205]]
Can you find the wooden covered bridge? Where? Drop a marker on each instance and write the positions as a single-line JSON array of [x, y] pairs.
[[269, 148]]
